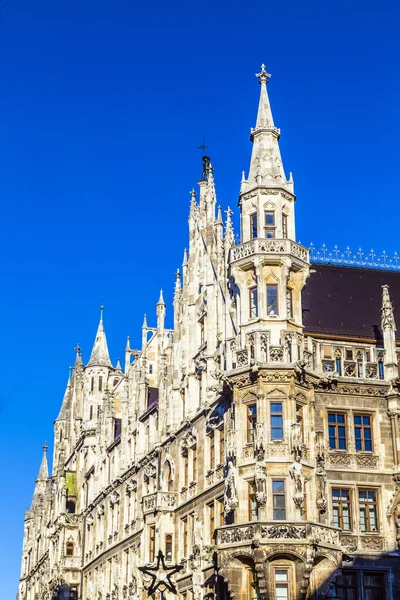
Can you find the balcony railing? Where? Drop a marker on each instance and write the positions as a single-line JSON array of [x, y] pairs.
[[159, 501], [279, 531], [269, 246]]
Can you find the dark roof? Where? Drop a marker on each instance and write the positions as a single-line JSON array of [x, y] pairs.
[[346, 301]]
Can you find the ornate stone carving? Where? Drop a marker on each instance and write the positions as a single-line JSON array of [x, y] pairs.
[[276, 354], [231, 501], [200, 365], [349, 543], [283, 531], [372, 543], [189, 440], [275, 449], [371, 370], [296, 473], [236, 534], [328, 366], [366, 461], [242, 358], [350, 369], [324, 535], [339, 460], [114, 498]]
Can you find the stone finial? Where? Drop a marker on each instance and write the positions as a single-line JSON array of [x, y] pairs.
[[263, 76], [387, 311]]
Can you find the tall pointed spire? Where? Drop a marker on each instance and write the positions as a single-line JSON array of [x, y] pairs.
[[44, 469], [266, 167], [100, 356]]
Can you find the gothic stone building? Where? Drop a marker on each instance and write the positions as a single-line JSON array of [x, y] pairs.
[[256, 443]]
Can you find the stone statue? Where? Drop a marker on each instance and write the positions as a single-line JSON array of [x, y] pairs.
[[230, 495], [197, 534], [397, 525], [320, 473], [297, 442], [296, 473], [206, 168], [259, 441], [260, 476]]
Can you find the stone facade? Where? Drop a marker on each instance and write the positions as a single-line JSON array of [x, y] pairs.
[[263, 459]]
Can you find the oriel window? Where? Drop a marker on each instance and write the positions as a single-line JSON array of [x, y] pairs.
[[284, 226], [69, 550], [194, 463], [272, 299], [168, 547], [211, 517], [363, 433], [337, 431], [253, 227], [368, 510], [269, 228], [279, 500], [152, 543], [289, 303], [253, 506], [276, 420], [186, 470], [253, 302], [221, 446], [185, 537], [212, 449], [341, 509], [251, 422]]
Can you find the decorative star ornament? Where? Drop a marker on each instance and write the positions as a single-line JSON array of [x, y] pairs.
[[161, 575]]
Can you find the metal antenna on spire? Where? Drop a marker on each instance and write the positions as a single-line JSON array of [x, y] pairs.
[[101, 312], [203, 146]]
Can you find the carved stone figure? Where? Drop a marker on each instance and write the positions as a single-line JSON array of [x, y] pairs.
[[230, 495], [261, 482], [397, 525], [259, 441], [296, 439], [320, 473], [197, 534], [296, 473]]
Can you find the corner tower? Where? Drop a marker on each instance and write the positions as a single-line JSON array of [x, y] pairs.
[[268, 269]]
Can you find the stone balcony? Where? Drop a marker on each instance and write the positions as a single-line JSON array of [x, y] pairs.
[[165, 501], [268, 247], [278, 532]]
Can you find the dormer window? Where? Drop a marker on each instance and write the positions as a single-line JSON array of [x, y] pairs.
[[253, 226], [269, 228]]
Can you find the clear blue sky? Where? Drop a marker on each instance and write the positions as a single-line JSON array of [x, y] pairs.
[[102, 106]]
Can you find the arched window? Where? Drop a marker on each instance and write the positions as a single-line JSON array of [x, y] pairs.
[[70, 506], [69, 549]]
